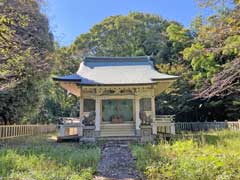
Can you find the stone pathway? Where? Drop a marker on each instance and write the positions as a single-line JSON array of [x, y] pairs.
[[117, 163]]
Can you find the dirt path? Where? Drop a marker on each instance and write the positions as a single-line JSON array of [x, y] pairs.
[[117, 162]]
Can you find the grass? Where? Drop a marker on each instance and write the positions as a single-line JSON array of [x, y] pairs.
[[216, 155], [43, 159]]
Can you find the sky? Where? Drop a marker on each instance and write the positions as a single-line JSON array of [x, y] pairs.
[[70, 18]]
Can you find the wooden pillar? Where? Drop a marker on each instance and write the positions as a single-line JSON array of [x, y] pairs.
[[154, 128], [153, 108], [98, 116], [137, 110], [62, 131], [81, 107], [172, 128], [80, 129]]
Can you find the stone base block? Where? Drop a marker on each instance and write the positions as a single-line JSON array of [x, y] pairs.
[[89, 132], [87, 140], [138, 132], [146, 134], [97, 133]]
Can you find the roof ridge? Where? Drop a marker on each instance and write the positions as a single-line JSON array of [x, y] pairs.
[[116, 58]]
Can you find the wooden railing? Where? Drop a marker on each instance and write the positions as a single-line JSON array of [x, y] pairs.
[[70, 120], [10, 131], [168, 118], [163, 124], [204, 126], [70, 126]]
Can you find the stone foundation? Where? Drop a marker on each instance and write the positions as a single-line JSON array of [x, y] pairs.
[[146, 133], [88, 134]]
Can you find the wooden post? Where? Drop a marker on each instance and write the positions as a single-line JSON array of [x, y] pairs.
[[98, 116], [153, 108], [81, 107], [6, 132], [154, 128], [0, 131], [80, 129], [62, 131], [172, 128], [137, 110], [238, 128]]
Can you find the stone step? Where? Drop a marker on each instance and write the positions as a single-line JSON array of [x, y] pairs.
[[116, 135], [122, 129], [117, 126], [118, 140], [117, 129]]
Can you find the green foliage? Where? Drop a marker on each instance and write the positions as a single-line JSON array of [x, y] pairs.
[[216, 44], [198, 56], [204, 64], [232, 44], [214, 58], [176, 98], [25, 54], [217, 4], [65, 61], [56, 101], [216, 156], [177, 33], [131, 35], [26, 42], [20, 102], [40, 158]]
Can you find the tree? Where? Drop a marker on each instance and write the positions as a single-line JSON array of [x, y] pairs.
[[25, 41], [56, 101], [214, 57], [131, 35], [225, 83], [25, 59]]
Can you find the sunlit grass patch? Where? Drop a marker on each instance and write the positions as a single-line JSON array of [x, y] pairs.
[[215, 155], [42, 158]]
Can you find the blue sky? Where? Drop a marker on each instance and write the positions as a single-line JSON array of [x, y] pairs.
[[70, 18]]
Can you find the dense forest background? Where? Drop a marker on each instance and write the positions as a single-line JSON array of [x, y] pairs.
[[206, 56]]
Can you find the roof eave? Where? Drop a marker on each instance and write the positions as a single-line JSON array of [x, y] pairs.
[[67, 80], [165, 79], [119, 84]]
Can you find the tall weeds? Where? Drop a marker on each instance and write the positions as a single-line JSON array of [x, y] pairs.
[[215, 155]]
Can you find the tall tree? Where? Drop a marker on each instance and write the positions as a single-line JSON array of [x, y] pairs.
[[25, 57], [131, 35], [214, 57], [57, 102], [224, 35]]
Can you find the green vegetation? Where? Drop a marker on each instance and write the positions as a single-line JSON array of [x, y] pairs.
[[26, 59], [206, 56], [42, 158], [215, 155], [197, 54]]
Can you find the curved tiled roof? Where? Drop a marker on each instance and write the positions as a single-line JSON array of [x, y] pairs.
[[116, 70]]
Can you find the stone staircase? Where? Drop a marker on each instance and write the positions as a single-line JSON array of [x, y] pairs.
[[117, 130]]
